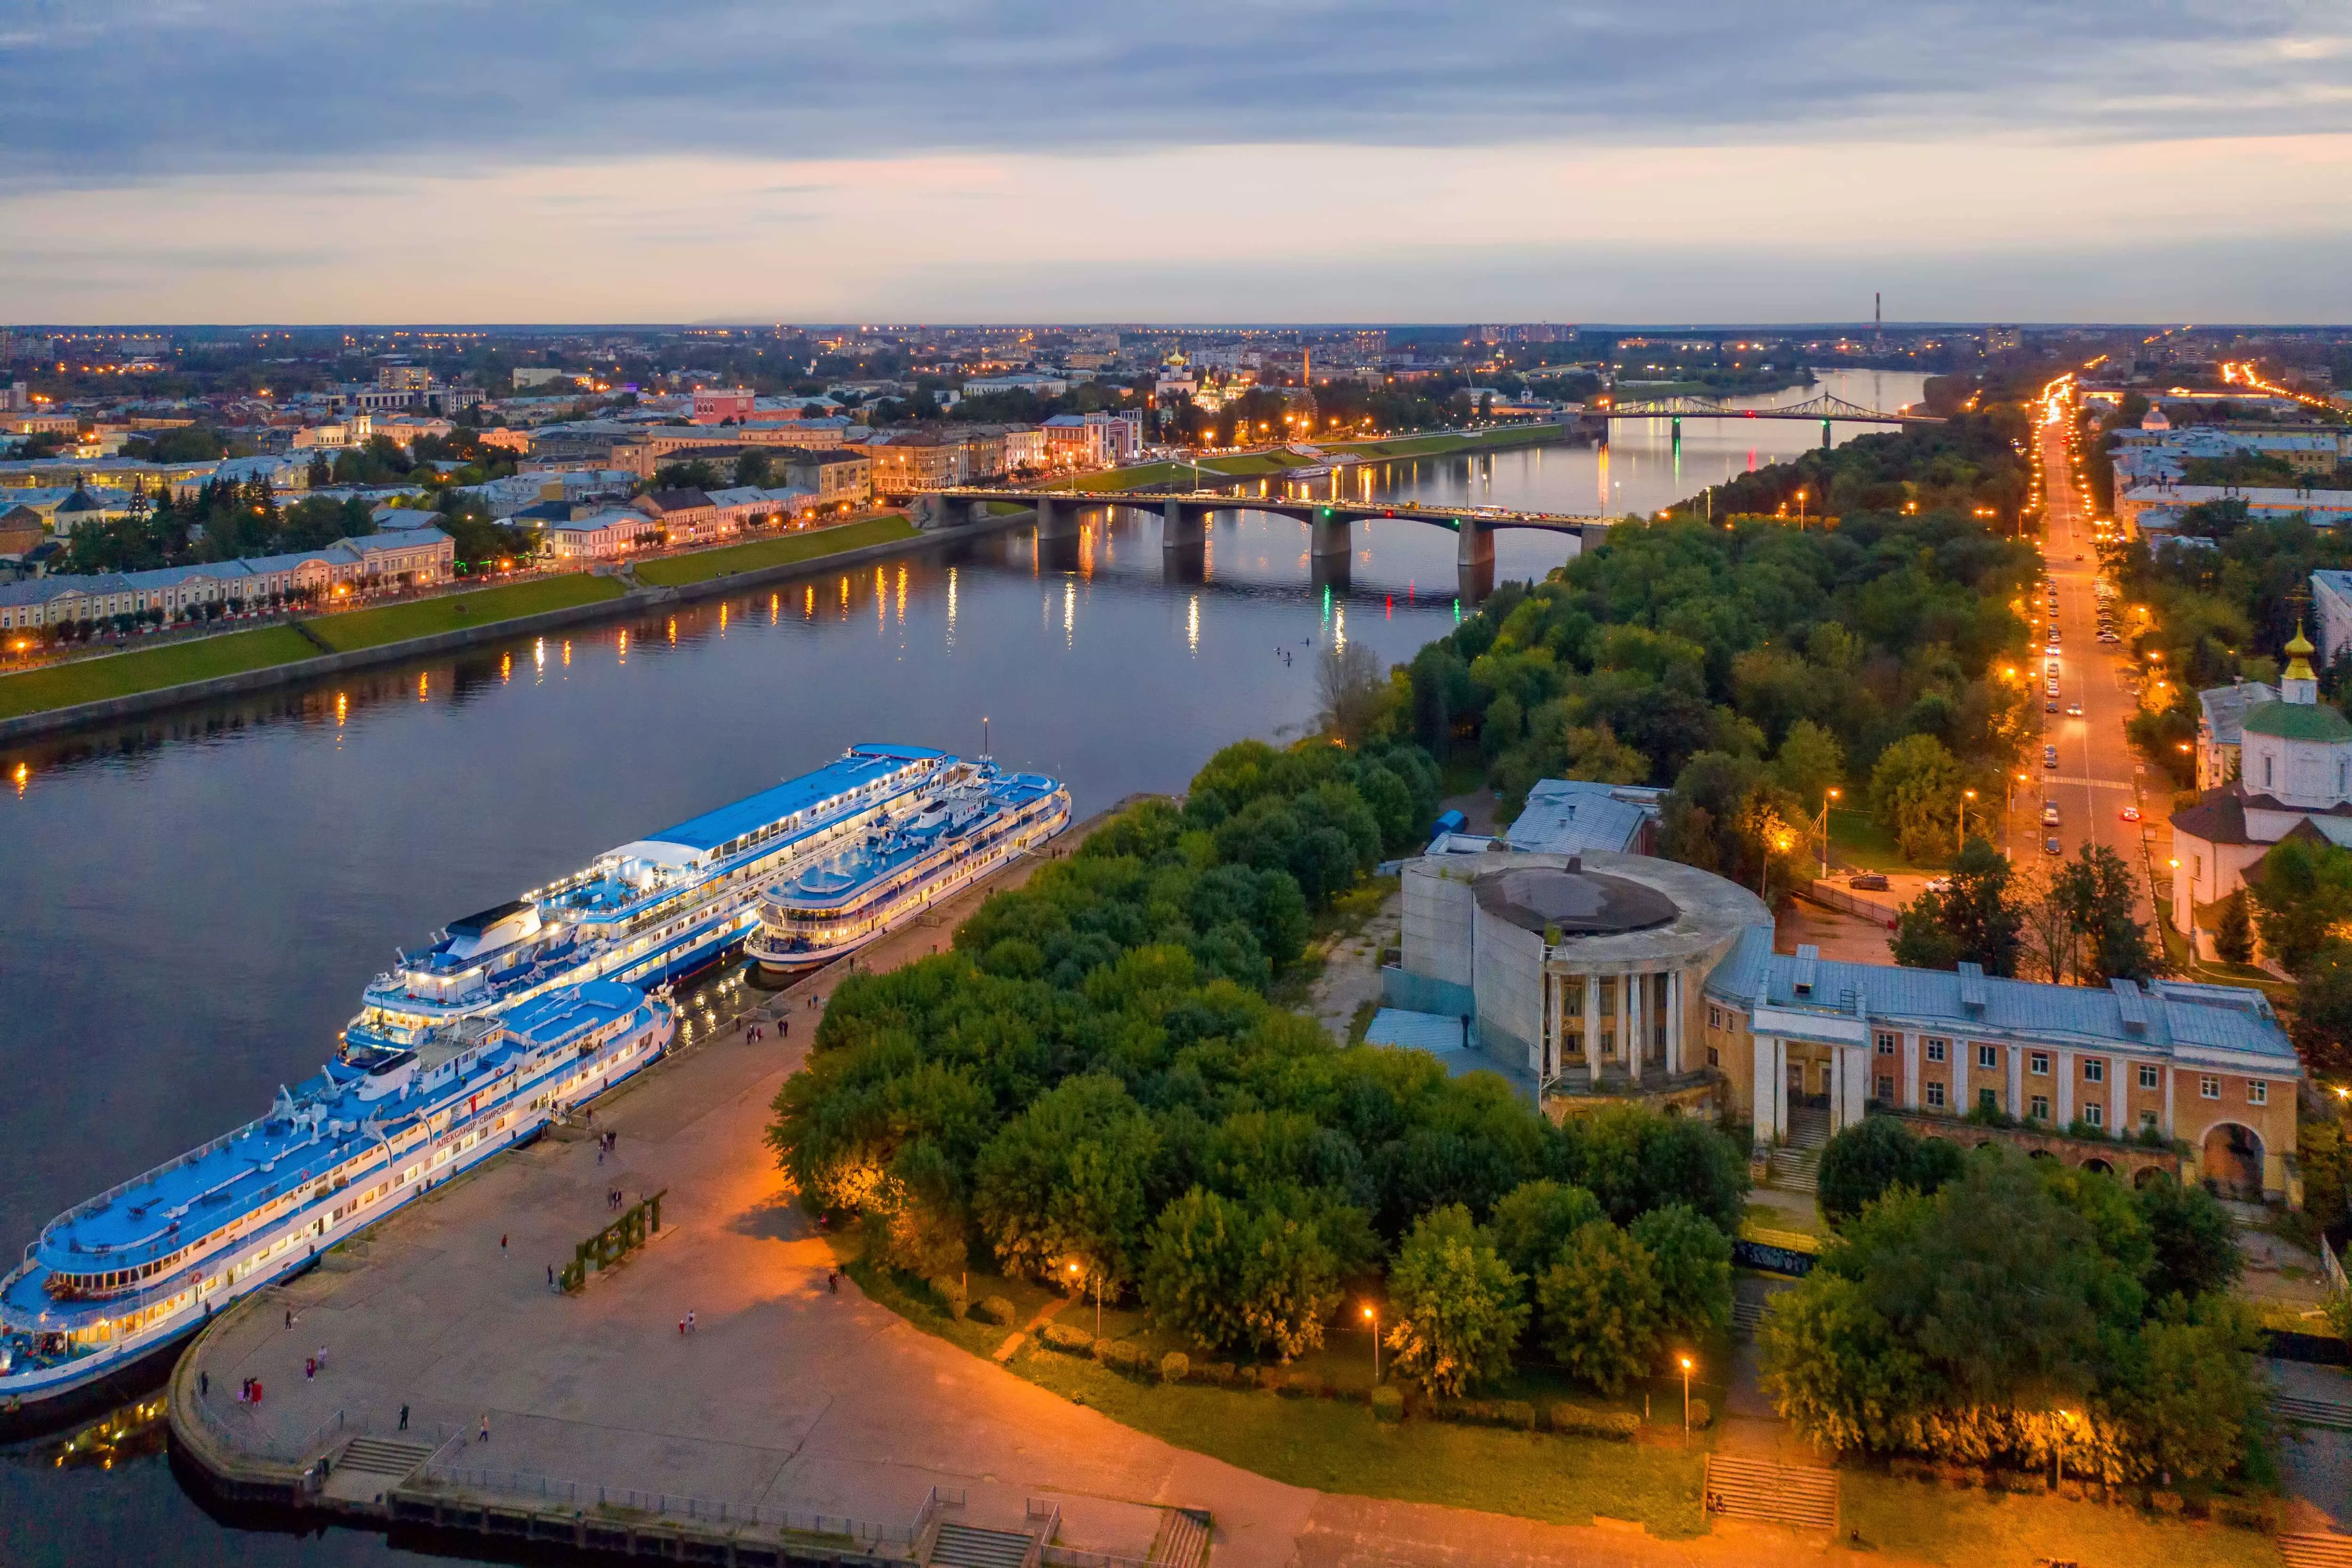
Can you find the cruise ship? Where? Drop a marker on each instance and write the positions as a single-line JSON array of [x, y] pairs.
[[134, 1270], [653, 909], [503, 1020], [969, 821]]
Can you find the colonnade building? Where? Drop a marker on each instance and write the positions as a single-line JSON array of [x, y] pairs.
[[1593, 978]]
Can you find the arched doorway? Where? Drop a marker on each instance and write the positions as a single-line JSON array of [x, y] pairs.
[[2233, 1161], [2098, 1167]]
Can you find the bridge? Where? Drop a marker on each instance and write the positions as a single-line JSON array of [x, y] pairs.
[[1185, 515], [1823, 406]]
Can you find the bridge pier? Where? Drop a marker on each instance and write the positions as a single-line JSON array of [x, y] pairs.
[[1183, 526], [1057, 520], [1332, 571], [1330, 537], [1473, 543]]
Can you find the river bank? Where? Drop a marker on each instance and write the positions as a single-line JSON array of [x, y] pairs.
[[102, 691]]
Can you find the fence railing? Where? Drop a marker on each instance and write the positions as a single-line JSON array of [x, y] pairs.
[[250, 1433], [1836, 897], [1067, 1557], [2337, 1283], [527, 1485]]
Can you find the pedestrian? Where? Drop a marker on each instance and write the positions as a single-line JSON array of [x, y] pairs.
[[486, 1425], [681, 1328], [502, 1243], [309, 1367], [551, 1276], [403, 1417], [289, 1317], [599, 1152], [833, 1281], [203, 1385], [786, 1032], [689, 1320], [322, 1358]]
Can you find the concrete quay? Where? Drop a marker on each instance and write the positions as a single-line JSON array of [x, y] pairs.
[[798, 1422]]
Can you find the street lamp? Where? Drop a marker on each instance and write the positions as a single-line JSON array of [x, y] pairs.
[[1966, 795], [1372, 1316], [1822, 828], [1686, 1371]]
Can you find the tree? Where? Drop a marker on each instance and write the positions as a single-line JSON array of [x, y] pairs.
[[1063, 1183], [2234, 934], [2099, 892], [2049, 942], [1231, 1274], [1971, 921], [1353, 692], [1534, 1221], [2194, 1240], [1634, 1160], [1456, 1306], [2322, 1023], [1604, 1307], [1862, 1161], [1810, 763], [1915, 788], [1692, 1261], [2302, 895]]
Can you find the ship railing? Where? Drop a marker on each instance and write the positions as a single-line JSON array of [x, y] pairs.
[[92, 1204], [585, 1495]]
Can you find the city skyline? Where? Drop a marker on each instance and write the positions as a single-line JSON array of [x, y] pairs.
[[1005, 163]]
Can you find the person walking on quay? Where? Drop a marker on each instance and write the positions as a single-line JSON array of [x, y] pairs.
[[502, 1243], [403, 1417], [551, 1276], [203, 1385], [689, 1321], [322, 1358], [486, 1425], [309, 1367]]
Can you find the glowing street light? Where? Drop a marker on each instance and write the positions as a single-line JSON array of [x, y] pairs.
[[1372, 1316]]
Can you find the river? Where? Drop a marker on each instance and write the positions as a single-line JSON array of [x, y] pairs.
[[194, 901]]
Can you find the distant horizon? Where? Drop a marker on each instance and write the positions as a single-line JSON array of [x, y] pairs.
[[1142, 324]]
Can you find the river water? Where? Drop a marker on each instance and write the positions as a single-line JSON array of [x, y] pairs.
[[194, 902]]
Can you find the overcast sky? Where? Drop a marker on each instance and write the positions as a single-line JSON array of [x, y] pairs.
[[1224, 159]]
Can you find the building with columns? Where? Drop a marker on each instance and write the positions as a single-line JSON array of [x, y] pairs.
[[1597, 978]]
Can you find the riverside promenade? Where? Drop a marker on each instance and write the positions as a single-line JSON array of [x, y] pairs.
[[795, 1423]]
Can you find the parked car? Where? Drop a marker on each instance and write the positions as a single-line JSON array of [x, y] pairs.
[[2051, 847], [2130, 813], [2049, 757], [2049, 813], [2050, 706], [1867, 881]]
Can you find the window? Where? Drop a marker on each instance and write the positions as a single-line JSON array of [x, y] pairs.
[[1988, 1100], [1936, 1095], [2093, 1071], [1886, 1044], [1714, 1057], [2094, 1113], [2038, 1063], [1988, 1056], [2148, 1121], [2258, 1093], [1714, 1018], [2040, 1112], [1936, 1050], [2208, 1089], [2148, 1079], [1886, 1088]]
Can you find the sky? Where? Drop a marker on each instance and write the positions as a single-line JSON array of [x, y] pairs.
[[1748, 161]]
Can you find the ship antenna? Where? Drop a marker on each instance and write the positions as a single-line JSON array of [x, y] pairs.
[[983, 738]]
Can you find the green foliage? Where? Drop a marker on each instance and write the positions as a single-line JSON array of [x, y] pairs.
[[2234, 934], [1237, 1276], [2098, 891], [1865, 1161], [1972, 921], [1534, 1221], [1060, 1191], [2006, 1318], [2302, 895], [1691, 1260], [1634, 1160], [1603, 1306], [1456, 1307], [2321, 1023], [1915, 793], [2193, 1243]]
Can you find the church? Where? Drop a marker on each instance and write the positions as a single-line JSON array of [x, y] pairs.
[[2284, 770]]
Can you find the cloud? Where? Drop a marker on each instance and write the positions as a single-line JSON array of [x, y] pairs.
[[109, 89]]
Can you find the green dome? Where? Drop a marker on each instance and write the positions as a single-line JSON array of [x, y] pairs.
[[2297, 721]]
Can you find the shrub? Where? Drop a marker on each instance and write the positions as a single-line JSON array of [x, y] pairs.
[[2167, 1502], [994, 1309], [950, 1291], [1580, 1421], [1119, 1354], [1219, 1372], [1518, 1413], [2264, 1515], [1701, 1414], [1388, 1404], [1175, 1366], [1068, 1338], [1291, 1384]]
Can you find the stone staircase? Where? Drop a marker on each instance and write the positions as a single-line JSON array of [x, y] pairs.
[[2316, 1551], [1182, 1541], [1804, 1497], [1744, 1315], [370, 1467], [2315, 1412], [967, 1546], [1797, 1163]]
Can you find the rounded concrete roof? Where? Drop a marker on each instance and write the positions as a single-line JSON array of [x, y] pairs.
[[1578, 903]]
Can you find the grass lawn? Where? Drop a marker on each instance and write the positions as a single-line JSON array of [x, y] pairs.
[[1451, 441], [1251, 465], [151, 669], [1333, 1444], [673, 572], [1130, 478], [1861, 842], [1995, 1529], [427, 617]]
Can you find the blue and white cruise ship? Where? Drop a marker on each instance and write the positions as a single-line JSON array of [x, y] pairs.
[[969, 820], [651, 910], [508, 1017], [137, 1269]]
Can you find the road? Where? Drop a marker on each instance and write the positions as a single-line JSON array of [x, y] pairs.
[[2097, 774]]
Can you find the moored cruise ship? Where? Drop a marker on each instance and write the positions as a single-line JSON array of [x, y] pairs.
[[134, 1270], [653, 909], [968, 822]]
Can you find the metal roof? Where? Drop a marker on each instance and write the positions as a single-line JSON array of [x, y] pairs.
[[861, 765]]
